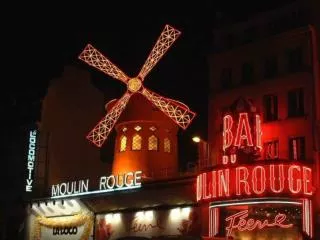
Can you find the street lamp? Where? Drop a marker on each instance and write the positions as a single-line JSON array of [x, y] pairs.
[[203, 152], [196, 139]]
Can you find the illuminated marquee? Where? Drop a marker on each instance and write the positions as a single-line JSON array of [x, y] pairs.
[[110, 183], [238, 176], [242, 136], [259, 180], [31, 159]]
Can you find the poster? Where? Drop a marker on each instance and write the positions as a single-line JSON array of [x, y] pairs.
[[150, 224]]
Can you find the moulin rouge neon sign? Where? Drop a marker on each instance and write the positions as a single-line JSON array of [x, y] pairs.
[[238, 175], [244, 135], [240, 222], [255, 181], [129, 180]]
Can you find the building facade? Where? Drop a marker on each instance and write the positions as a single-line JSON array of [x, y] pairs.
[[258, 173], [270, 64]]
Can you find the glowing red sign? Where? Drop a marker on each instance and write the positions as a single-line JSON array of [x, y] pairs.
[[258, 180], [239, 222], [243, 132]]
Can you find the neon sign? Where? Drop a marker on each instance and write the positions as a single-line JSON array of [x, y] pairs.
[[110, 183], [239, 222], [31, 159], [241, 134], [242, 143], [244, 133], [258, 180]]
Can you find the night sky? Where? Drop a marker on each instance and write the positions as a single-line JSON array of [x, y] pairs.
[[41, 40]]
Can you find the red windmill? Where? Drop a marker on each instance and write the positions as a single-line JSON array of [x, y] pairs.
[[175, 110]]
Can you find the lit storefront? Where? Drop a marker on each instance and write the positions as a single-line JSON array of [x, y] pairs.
[[157, 224], [61, 219], [154, 210]]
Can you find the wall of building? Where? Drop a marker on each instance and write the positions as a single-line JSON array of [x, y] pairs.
[[71, 108], [152, 223], [284, 81], [141, 119], [272, 35]]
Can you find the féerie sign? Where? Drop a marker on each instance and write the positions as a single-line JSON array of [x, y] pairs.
[[240, 222], [110, 183]]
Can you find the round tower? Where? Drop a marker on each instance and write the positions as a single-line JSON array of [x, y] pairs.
[[146, 140]]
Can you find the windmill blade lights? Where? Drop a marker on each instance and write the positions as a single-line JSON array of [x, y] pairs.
[[177, 111]]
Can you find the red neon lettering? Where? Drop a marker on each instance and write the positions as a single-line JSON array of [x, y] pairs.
[[137, 226], [242, 178], [243, 131], [261, 177], [258, 132], [206, 195], [227, 134], [273, 179], [307, 176], [294, 177], [199, 188], [225, 159], [247, 181], [233, 158], [239, 222], [223, 182], [214, 184]]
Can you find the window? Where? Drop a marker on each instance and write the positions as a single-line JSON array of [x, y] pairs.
[[271, 149], [249, 35], [272, 27], [226, 78], [137, 128], [296, 103], [294, 59], [167, 145], [123, 143], [297, 148], [270, 104], [136, 142], [152, 128], [247, 74], [153, 143], [271, 67]]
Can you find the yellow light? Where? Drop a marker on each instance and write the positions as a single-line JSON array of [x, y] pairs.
[[116, 217], [175, 214], [196, 139], [108, 218], [185, 212], [134, 84], [140, 215], [148, 215]]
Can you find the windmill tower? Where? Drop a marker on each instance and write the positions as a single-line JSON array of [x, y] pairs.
[[146, 133]]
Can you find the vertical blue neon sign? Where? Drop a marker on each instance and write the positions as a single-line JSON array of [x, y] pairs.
[[31, 159]]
